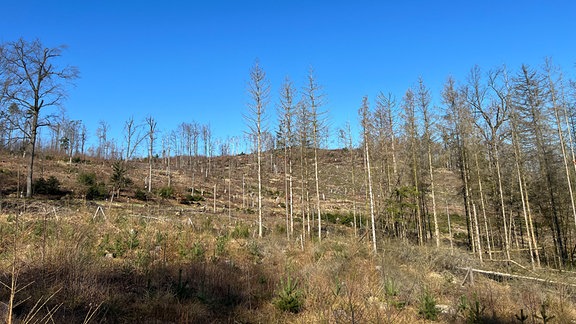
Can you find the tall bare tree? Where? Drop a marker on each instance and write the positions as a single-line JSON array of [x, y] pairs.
[[151, 134], [424, 105], [493, 115], [286, 132], [458, 133], [133, 136], [365, 120], [412, 134], [530, 100], [303, 134], [314, 100], [206, 134], [34, 82], [347, 139], [103, 143], [259, 91]]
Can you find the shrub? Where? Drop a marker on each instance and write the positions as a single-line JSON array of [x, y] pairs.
[[428, 307], [197, 251], [47, 187], [118, 178], [240, 231], [87, 179], [166, 192], [92, 188], [141, 195], [221, 245], [336, 218], [289, 298], [189, 199]]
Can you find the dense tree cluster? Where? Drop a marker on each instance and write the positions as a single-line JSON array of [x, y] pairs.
[[508, 135]]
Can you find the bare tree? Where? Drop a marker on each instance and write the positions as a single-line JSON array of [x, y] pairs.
[[553, 82], [314, 100], [303, 134], [365, 119], [34, 82], [458, 133], [102, 134], [133, 137], [347, 140], [151, 124], [493, 115], [71, 137], [530, 100], [286, 132], [424, 105], [411, 129], [259, 91], [206, 134]]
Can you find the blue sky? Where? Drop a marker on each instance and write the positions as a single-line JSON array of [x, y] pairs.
[[182, 61]]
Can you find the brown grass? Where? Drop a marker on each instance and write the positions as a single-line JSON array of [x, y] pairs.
[[173, 263]]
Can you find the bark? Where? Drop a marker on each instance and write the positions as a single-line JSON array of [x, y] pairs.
[[483, 207], [424, 98], [259, 90], [33, 83], [365, 119]]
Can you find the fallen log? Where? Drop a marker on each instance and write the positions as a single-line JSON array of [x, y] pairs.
[[470, 271]]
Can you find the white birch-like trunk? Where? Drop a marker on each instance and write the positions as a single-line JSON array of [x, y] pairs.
[[483, 207]]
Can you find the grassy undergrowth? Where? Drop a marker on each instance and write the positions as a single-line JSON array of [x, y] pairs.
[[143, 264]]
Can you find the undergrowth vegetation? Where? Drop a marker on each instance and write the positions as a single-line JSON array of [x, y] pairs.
[[148, 265]]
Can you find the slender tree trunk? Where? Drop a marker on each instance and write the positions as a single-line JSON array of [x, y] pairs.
[[501, 195], [316, 179], [353, 173], [230, 189], [302, 192], [465, 192], [287, 190], [419, 222], [432, 193], [291, 200], [30, 171], [523, 195], [259, 184], [478, 242], [365, 121], [483, 207], [449, 229], [371, 195]]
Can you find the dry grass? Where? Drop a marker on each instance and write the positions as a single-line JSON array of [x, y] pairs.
[[168, 270], [162, 262]]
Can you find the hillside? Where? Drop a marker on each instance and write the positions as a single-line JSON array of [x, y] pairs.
[[189, 251]]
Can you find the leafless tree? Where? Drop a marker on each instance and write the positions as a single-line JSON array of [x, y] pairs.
[[412, 134], [286, 110], [365, 120], [133, 136], [103, 143], [259, 91], [424, 100], [34, 82], [314, 99], [151, 126]]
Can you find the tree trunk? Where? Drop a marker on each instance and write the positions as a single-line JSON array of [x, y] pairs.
[[371, 194], [501, 195], [483, 207]]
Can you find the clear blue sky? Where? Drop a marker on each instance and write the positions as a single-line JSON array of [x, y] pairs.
[[189, 60]]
